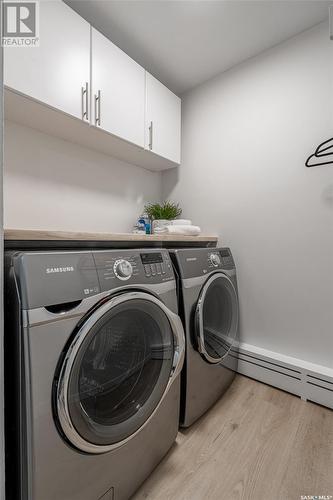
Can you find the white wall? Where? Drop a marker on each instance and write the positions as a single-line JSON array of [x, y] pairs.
[[50, 184], [246, 135]]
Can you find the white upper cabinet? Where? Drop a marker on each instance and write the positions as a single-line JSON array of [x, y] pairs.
[[58, 71], [118, 91], [163, 120], [78, 71]]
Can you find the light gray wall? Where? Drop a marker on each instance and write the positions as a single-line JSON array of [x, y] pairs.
[[50, 184], [246, 135]]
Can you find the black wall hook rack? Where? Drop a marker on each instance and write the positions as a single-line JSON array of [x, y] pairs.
[[322, 156]]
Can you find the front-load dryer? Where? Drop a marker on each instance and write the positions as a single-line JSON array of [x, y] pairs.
[[208, 304], [94, 350]]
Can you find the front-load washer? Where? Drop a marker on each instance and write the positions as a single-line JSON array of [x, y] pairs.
[[94, 350], [208, 305]]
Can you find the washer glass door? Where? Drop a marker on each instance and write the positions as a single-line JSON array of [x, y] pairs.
[[217, 318], [116, 371]]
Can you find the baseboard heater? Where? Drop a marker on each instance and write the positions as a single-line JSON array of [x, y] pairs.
[[308, 381]]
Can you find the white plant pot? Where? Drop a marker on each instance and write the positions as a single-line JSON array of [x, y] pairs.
[[159, 224]]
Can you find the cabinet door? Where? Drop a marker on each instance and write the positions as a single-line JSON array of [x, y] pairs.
[[118, 91], [56, 71], [163, 120]]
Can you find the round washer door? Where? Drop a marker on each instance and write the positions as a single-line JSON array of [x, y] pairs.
[[216, 318], [117, 370]]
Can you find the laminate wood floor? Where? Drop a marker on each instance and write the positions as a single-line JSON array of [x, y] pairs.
[[256, 443]]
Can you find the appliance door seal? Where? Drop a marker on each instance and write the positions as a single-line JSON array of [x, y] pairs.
[[216, 318]]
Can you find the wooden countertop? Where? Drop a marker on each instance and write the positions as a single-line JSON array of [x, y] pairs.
[[32, 237], [32, 234]]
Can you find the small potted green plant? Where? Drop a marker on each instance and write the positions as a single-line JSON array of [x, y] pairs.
[[161, 214]]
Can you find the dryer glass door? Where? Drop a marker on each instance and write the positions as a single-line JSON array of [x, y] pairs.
[[217, 318], [117, 370]]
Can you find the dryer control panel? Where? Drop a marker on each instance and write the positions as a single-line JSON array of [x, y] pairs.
[[194, 262], [132, 267]]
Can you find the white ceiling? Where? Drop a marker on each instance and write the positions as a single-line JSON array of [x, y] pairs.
[[185, 42]]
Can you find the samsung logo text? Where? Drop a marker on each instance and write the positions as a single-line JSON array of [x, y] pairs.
[[52, 270]]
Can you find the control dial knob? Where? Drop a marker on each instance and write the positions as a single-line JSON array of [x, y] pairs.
[[123, 269], [215, 259]]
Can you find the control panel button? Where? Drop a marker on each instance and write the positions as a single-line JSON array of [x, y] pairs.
[[158, 269], [163, 268], [215, 259], [147, 270], [153, 269], [123, 269]]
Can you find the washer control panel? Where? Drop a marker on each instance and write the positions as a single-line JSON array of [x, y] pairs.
[[123, 269], [154, 264], [133, 267]]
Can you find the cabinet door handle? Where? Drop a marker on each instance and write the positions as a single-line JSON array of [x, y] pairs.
[[98, 108], [150, 145], [85, 102]]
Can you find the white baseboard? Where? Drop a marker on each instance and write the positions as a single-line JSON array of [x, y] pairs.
[[309, 381]]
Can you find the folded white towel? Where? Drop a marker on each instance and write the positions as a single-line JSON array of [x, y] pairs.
[[181, 230], [180, 222]]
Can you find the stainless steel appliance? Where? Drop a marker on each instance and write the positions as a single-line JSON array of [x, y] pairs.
[[94, 350], [208, 304]]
